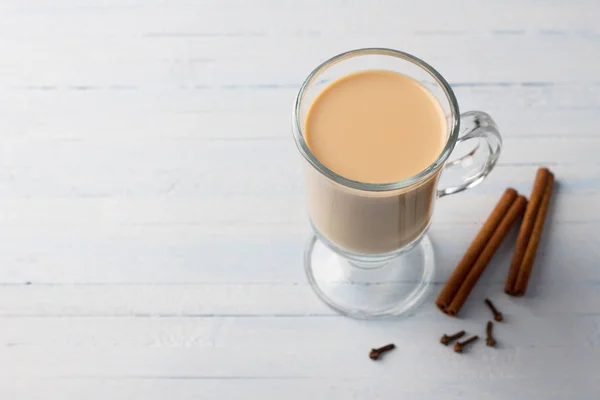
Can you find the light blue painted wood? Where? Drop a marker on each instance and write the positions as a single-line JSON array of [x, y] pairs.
[[152, 212]]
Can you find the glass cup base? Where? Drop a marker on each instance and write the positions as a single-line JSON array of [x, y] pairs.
[[394, 288]]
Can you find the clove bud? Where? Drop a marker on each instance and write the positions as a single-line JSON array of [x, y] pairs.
[[459, 346], [489, 340], [497, 314], [375, 353], [445, 340]]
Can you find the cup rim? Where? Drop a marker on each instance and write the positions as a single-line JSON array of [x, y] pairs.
[[376, 187]]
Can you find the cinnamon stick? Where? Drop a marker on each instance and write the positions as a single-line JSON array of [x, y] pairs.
[[516, 210], [536, 234], [539, 187], [466, 263]]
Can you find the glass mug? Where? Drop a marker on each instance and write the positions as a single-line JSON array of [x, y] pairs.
[[370, 255]]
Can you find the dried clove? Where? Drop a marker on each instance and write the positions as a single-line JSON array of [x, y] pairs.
[[445, 340], [459, 346], [497, 314], [489, 340], [375, 353]]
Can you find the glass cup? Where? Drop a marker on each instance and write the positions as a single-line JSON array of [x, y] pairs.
[[370, 255]]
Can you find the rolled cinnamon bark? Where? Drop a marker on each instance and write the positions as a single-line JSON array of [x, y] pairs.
[[529, 219], [466, 263], [516, 210], [528, 260]]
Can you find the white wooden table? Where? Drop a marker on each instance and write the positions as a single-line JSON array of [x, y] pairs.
[[152, 211]]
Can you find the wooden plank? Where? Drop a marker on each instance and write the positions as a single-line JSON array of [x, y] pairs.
[[199, 353], [309, 17], [494, 387], [193, 61], [214, 300], [179, 170], [247, 255], [420, 332], [132, 107], [217, 212], [245, 360], [263, 125]]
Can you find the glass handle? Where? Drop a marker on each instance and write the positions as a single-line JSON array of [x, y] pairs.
[[477, 149]]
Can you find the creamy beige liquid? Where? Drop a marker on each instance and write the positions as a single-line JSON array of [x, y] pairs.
[[374, 127]]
